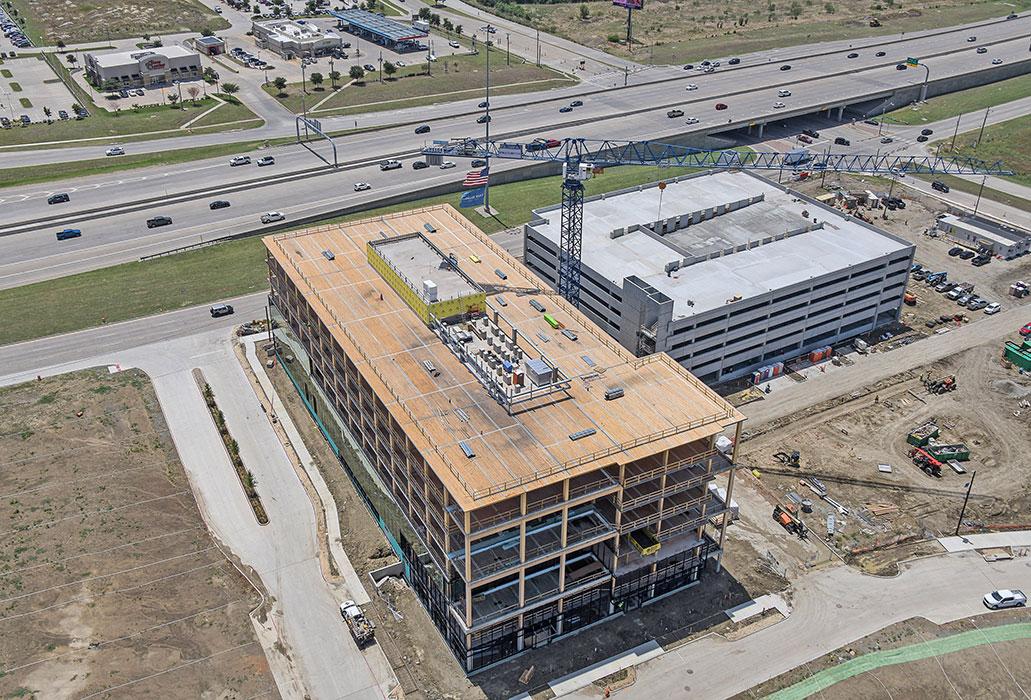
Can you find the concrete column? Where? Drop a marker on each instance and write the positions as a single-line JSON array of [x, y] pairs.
[[762, 127], [841, 113]]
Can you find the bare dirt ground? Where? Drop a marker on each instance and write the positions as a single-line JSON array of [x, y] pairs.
[[844, 444], [427, 669], [996, 670], [76, 21], [109, 581]]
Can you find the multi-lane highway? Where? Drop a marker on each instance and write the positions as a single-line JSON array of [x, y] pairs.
[[112, 210]]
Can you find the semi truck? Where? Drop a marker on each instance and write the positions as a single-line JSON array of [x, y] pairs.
[[362, 628]]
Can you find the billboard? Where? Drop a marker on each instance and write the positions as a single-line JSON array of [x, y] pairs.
[[629, 4]]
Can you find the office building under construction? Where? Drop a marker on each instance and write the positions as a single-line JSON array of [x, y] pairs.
[[533, 476]]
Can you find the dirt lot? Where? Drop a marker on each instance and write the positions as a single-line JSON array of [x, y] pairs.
[[108, 576], [675, 31], [75, 21], [755, 564], [996, 670]]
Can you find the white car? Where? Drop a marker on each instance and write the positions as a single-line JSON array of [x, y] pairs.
[[691, 86], [431, 58], [778, 105], [454, 44], [239, 160], [1005, 599], [692, 120], [447, 164], [271, 216], [993, 308], [362, 186], [115, 151], [784, 93], [400, 64], [996, 61]]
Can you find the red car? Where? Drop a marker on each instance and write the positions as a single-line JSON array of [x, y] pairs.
[[720, 105], [1026, 330]]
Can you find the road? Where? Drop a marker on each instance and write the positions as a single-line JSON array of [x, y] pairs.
[[284, 552], [34, 254], [831, 608]]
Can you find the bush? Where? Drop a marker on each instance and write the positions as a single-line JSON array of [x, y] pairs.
[[614, 38]]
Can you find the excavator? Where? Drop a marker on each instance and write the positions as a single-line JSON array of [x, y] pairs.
[[785, 515], [940, 385], [790, 459]]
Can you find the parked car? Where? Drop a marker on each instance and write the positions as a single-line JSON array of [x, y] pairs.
[[362, 186], [115, 151], [219, 310], [1026, 329], [424, 129], [61, 114], [993, 308], [68, 233], [239, 160], [978, 305], [842, 141], [804, 139], [266, 160], [964, 299], [272, 216], [159, 221], [369, 68], [58, 198], [218, 204], [954, 251], [1005, 599], [674, 113], [966, 255]]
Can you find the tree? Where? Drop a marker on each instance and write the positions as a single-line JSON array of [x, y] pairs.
[[356, 72], [435, 20], [585, 12], [193, 91], [334, 76], [60, 44], [47, 113], [230, 88], [210, 75], [280, 84], [458, 29], [389, 68], [206, 31], [448, 26], [316, 80], [173, 98], [71, 58], [424, 13]]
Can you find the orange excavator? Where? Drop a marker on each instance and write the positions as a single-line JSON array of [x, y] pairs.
[[785, 515]]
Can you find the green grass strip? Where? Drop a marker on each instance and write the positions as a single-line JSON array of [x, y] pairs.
[[890, 657]]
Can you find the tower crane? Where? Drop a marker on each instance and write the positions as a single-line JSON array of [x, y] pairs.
[[580, 158]]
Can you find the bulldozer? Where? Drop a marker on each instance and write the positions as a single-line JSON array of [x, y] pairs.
[[790, 459], [785, 515], [940, 385]]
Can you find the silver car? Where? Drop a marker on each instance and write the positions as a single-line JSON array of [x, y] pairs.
[[1005, 599]]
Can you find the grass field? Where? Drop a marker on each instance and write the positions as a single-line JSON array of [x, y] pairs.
[[962, 102], [1008, 141], [128, 122], [75, 21], [136, 289], [412, 87], [678, 31]]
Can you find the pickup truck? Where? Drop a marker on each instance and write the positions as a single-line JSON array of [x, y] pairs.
[[361, 627]]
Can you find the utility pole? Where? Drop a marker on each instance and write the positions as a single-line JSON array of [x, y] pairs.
[[979, 191], [970, 485], [381, 66], [508, 48], [983, 124], [955, 134], [538, 48]]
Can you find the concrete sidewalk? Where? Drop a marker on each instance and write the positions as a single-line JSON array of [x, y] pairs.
[[987, 540]]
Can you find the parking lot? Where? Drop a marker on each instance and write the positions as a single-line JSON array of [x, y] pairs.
[[32, 80], [13, 37]]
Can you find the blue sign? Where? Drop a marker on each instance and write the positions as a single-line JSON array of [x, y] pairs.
[[472, 198]]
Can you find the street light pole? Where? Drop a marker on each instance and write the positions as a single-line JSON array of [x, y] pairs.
[[486, 124], [508, 48], [955, 134], [970, 485]]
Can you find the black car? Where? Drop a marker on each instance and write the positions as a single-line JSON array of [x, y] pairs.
[[420, 165], [218, 204], [853, 55], [484, 104], [483, 119], [785, 67], [879, 54], [966, 255], [982, 49], [871, 122], [900, 66], [478, 163], [926, 132], [424, 129], [921, 138], [812, 133], [979, 261], [842, 141], [940, 186], [58, 198], [576, 103], [734, 61], [566, 109], [159, 221], [689, 66], [674, 113], [953, 252]]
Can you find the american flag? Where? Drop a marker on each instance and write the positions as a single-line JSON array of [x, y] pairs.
[[475, 178]]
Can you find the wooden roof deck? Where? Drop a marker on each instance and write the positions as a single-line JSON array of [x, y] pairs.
[[663, 406]]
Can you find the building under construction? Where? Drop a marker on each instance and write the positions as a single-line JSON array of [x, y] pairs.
[[533, 476]]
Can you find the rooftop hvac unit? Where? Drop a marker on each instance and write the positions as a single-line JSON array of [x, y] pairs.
[[613, 393], [429, 290]]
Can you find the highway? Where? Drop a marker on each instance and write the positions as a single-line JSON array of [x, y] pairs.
[[756, 70], [111, 235]]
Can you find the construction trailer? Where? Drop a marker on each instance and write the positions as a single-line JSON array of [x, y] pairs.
[[533, 476], [1019, 355]]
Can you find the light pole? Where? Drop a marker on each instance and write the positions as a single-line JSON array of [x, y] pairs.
[[927, 77], [979, 191], [955, 134], [486, 124], [984, 123], [508, 48]]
